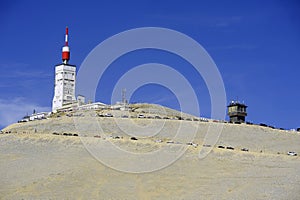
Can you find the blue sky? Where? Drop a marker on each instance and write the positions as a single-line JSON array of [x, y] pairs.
[[255, 44]]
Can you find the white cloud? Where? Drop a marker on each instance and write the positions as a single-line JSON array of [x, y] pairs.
[[13, 110]]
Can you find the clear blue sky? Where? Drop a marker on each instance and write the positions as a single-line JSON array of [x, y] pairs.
[[255, 44]]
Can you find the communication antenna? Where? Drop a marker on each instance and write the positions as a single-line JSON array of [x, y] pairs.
[[66, 49], [124, 101]]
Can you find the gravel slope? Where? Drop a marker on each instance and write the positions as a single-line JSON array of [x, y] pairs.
[[35, 164]]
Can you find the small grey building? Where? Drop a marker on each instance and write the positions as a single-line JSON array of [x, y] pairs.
[[237, 112]]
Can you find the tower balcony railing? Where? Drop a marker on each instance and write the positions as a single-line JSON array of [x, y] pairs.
[[240, 113]]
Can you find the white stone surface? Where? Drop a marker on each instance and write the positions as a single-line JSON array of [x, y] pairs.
[[64, 89]]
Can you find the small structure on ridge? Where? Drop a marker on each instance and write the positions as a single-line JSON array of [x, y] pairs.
[[237, 112]]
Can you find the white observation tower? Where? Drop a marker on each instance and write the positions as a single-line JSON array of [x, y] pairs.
[[64, 89]]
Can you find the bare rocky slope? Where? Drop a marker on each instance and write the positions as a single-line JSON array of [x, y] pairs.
[[54, 158]]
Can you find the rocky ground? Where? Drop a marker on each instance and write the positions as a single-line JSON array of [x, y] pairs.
[[45, 159]]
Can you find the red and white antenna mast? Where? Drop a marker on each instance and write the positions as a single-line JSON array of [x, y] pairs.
[[66, 49]]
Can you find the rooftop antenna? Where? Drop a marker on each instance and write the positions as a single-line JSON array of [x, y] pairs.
[[66, 49], [124, 101]]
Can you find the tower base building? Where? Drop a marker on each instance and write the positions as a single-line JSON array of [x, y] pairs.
[[64, 89]]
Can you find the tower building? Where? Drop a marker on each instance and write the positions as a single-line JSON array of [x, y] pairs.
[[237, 112], [65, 73]]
